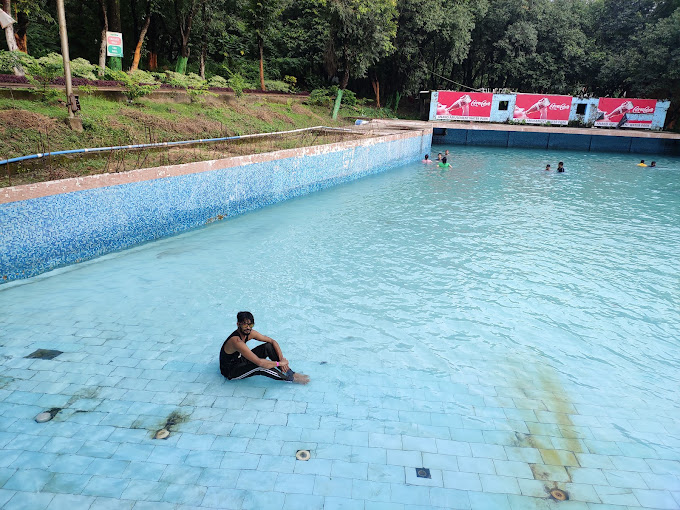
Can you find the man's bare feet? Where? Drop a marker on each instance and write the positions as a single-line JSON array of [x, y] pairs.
[[300, 378]]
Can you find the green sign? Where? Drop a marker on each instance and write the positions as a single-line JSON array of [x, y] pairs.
[[114, 51]]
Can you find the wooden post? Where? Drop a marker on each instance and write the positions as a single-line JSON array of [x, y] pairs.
[[73, 122]]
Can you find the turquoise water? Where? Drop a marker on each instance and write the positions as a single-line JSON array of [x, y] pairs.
[[418, 269], [446, 318]]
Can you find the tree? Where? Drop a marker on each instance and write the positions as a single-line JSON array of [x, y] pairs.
[[262, 14], [185, 12], [148, 14], [362, 31], [9, 35]]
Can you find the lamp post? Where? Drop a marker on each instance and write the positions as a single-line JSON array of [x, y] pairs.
[[72, 104]]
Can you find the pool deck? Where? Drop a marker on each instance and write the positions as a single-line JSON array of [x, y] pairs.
[[495, 435]]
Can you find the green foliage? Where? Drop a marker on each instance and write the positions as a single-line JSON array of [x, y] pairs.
[[42, 71], [81, 68], [319, 97], [9, 59], [218, 81], [277, 86], [237, 83], [326, 97], [145, 76], [291, 81], [134, 88]]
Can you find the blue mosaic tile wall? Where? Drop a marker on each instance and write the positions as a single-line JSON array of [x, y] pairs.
[[540, 140], [41, 234]]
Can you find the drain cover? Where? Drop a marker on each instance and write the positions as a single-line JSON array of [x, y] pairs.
[[423, 473], [302, 455], [559, 495], [162, 434], [44, 354]]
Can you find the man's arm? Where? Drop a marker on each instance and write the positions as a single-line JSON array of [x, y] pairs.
[[245, 351], [264, 338]]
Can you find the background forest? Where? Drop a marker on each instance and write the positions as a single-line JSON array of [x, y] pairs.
[[396, 47]]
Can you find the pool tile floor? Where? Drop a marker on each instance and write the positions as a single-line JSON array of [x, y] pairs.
[[497, 436]]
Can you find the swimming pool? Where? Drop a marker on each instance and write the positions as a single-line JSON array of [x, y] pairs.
[[510, 329]]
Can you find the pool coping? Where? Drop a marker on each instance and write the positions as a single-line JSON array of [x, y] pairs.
[[57, 187]]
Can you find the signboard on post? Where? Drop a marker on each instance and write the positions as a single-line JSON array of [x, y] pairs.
[[619, 112], [542, 109], [114, 44], [463, 106]]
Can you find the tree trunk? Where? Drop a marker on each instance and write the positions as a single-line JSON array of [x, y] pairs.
[[11, 40], [151, 46], [204, 45], [376, 90], [260, 43], [140, 42], [20, 35], [345, 77], [115, 24], [345, 72], [102, 45]]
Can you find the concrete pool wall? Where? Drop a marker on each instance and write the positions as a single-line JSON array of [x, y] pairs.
[[557, 137], [48, 225]]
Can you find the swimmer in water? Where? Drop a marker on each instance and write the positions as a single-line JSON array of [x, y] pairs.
[[653, 165], [547, 168], [444, 163], [426, 159], [641, 163], [439, 156], [560, 166]]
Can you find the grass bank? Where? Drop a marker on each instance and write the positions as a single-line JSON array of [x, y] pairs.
[[30, 126]]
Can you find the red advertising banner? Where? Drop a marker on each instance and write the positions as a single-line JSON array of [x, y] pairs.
[[613, 112], [542, 109], [464, 106]]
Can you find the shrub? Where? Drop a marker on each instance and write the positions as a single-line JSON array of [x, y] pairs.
[[237, 83], [144, 76], [134, 88], [276, 86], [319, 97], [291, 81], [218, 81], [9, 59], [83, 69], [326, 97]]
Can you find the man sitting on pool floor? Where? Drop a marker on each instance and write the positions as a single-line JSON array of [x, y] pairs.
[[238, 361]]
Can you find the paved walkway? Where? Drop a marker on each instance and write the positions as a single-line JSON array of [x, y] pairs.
[[493, 435]]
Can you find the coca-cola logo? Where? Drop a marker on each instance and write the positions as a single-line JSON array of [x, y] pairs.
[[483, 103], [563, 106], [643, 109]]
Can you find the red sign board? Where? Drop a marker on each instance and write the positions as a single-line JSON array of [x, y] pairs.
[[114, 39], [463, 106], [617, 112], [542, 109]]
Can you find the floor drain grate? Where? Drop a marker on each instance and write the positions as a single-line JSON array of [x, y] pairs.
[[423, 473], [44, 354], [303, 455]]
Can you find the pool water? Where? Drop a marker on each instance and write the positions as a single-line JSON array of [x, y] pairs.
[[495, 281]]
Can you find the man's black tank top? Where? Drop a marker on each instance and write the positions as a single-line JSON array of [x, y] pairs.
[[226, 360]]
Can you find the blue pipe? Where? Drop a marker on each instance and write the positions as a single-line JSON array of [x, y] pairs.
[[117, 147], [160, 144]]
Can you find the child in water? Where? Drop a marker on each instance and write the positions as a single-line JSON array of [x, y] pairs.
[[426, 159], [444, 163]]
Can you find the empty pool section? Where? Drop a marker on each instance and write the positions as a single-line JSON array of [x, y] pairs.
[[53, 224]]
